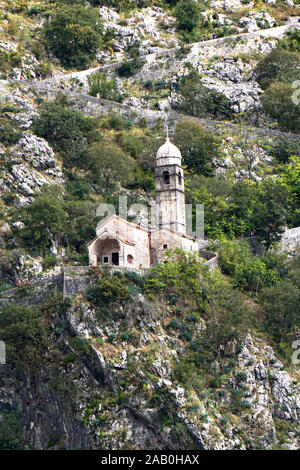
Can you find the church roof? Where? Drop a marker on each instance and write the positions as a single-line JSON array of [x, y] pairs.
[[168, 153]]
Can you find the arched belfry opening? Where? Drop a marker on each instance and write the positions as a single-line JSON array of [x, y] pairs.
[[166, 177], [107, 251]]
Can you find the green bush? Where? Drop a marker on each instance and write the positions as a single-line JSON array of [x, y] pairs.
[[25, 333], [108, 165], [248, 272], [231, 254], [10, 428], [44, 219], [200, 101], [8, 134], [66, 130], [188, 14], [74, 35], [253, 275], [49, 261], [278, 104], [283, 149], [5, 286], [109, 290], [99, 83], [131, 67], [135, 277], [278, 65], [291, 42], [280, 304], [80, 344], [197, 145]]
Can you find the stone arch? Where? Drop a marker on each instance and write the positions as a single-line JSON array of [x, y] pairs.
[[106, 251]]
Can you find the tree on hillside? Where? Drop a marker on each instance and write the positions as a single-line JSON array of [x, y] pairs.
[[188, 14], [198, 146], [66, 129], [106, 87], [74, 35], [44, 221], [279, 65], [278, 103], [270, 216], [200, 101], [109, 165]]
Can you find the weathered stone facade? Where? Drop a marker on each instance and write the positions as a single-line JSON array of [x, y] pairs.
[[120, 243]]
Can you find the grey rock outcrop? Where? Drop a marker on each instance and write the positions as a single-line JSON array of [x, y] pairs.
[[32, 165], [290, 239]]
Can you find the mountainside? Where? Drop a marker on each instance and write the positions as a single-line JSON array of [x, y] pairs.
[[187, 354], [130, 372]]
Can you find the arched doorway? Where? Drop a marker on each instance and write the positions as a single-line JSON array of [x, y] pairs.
[[107, 251]]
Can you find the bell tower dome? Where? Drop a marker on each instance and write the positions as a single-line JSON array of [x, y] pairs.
[[169, 184]]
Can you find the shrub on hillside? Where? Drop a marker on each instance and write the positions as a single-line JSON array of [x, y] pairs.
[[100, 83], [24, 332], [74, 35], [283, 150], [197, 145], [278, 65], [279, 104], [109, 165], [131, 67], [66, 130], [199, 101], [188, 14], [109, 290]]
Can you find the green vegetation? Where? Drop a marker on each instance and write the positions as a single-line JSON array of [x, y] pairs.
[[24, 331], [283, 150], [109, 290], [281, 307], [74, 35], [100, 84], [66, 129], [9, 135], [278, 103], [198, 146], [203, 316], [187, 13], [54, 216], [10, 428], [242, 208], [278, 65], [249, 273], [276, 73], [200, 101], [109, 165]]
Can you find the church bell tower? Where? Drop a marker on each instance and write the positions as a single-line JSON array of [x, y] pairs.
[[169, 184]]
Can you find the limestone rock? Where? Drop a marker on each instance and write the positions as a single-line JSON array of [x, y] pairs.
[[36, 151], [290, 239], [108, 14]]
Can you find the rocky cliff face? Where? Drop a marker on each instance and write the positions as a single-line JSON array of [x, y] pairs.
[[109, 382]]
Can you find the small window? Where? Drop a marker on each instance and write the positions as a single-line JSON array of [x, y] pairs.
[[105, 259], [179, 178], [165, 247], [166, 177]]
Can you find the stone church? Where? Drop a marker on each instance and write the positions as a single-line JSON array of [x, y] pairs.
[[126, 244]]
